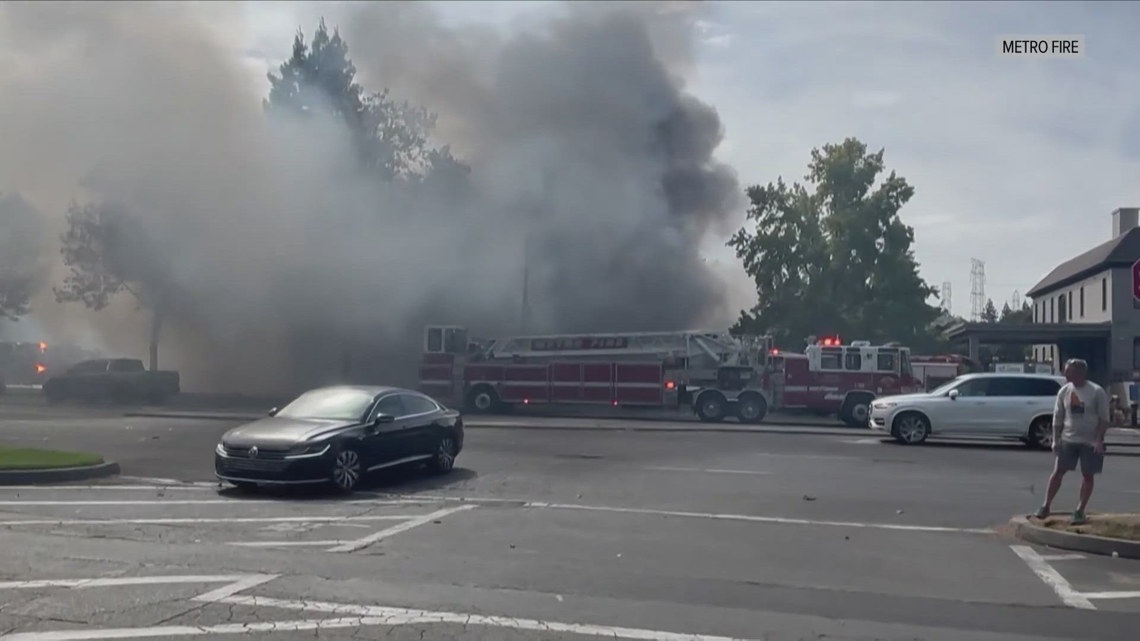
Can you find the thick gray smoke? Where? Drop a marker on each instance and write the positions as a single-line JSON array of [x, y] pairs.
[[578, 133]]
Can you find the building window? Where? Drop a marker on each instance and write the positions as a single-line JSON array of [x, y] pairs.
[[1104, 294], [1061, 308], [1136, 353], [1082, 301], [1070, 310], [1052, 310], [1036, 308]]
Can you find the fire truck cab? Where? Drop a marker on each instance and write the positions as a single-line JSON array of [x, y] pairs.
[[833, 378]]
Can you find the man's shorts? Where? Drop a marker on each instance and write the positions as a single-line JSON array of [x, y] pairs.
[[1071, 453]]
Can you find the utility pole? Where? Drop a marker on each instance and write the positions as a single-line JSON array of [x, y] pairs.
[[977, 288]]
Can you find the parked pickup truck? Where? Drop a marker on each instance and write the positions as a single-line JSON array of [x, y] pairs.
[[120, 380]]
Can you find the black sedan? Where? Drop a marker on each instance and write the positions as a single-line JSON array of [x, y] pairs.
[[337, 435]]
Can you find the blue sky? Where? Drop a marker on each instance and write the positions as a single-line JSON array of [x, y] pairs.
[[1016, 162]]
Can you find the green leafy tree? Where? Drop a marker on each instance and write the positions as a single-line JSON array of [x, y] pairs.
[[107, 251], [989, 312], [833, 256], [391, 138], [21, 235]]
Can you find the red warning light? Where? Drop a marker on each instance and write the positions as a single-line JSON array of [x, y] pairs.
[[670, 385], [41, 368], [774, 351], [43, 347], [526, 401], [615, 403]]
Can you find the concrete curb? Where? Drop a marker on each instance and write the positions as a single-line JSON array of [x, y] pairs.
[[1027, 531], [58, 475]]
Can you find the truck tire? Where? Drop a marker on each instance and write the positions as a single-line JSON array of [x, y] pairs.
[[711, 407], [856, 410], [751, 408], [482, 399]]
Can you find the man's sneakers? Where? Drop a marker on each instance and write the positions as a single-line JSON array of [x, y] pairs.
[[1078, 517]]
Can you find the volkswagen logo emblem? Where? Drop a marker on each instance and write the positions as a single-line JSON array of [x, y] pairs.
[[253, 452]]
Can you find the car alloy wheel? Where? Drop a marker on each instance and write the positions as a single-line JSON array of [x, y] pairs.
[[445, 455], [346, 469], [1041, 434], [911, 429]]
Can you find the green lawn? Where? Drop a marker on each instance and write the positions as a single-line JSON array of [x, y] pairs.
[[1113, 526], [13, 458]]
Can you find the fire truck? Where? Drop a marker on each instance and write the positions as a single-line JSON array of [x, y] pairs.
[[23, 363], [936, 370], [714, 374], [830, 377]]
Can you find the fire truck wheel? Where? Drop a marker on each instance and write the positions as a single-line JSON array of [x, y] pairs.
[[856, 410], [751, 408], [910, 428], [483, 400], [711, 407]]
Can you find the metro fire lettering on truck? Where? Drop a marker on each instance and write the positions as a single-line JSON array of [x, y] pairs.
[[551, 344]]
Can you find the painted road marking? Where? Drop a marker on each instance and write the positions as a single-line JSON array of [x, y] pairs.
[[165, 502], [375, 537], [244, 579], [113, 488], [707, 470], [203, 520], [1052, 578], [758, 519], [864, 441], [1062, 557]]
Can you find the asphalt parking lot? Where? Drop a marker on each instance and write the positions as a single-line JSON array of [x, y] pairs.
[[560, 534]]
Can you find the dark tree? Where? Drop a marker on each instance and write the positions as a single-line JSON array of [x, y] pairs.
[[107, 251], [833, 255], [392, 138], [989, 312]]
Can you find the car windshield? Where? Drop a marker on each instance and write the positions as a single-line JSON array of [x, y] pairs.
[[339, 404], [946, 387]]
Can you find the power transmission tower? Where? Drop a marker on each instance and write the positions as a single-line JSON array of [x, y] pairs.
[[947, 304], [977, 288]]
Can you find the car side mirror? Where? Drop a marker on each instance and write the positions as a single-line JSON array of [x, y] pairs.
[[273, 412], [383, 418], [953, 394]]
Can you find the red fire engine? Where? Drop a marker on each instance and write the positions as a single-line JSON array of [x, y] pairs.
[[714, 373], [933, 371], [23, 363], [833, 378]]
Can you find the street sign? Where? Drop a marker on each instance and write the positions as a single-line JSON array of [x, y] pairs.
[[1136, 280]]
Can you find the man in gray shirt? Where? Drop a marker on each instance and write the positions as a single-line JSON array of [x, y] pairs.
[[1080, 420]]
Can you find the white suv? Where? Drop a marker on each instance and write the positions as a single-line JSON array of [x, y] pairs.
[[1013, 406]]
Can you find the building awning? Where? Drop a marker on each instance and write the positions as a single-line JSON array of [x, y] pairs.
[[1027, 334]]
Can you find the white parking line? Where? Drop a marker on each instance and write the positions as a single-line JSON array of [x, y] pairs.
[[207, 502], [191, 521], [364, 542], [758, 519], [1062, 557], [134, 580], [112, 488], [1052, 578], [707, 470]]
